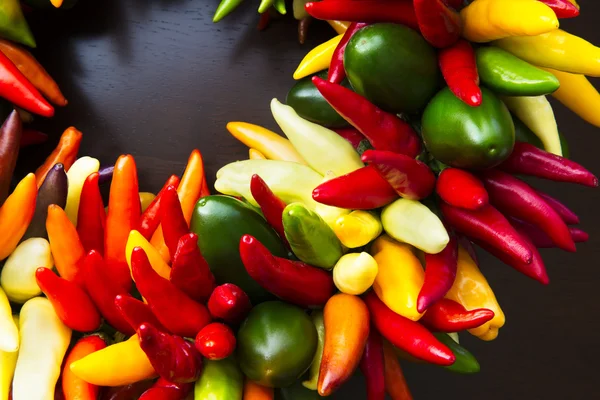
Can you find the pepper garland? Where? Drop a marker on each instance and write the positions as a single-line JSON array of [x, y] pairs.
[[365, 204]]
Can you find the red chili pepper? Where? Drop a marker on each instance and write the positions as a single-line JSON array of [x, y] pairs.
[[150, 219], [215, 341], [446, 315], [409, 177], [10, 142], [363, 189], [406, 334], [562, 8], [173, 222], [526, 159], [513, 197], [459, 68], [173, 358], [31, 137], [488, 225], [271, 206], [173, 308], [372, 366], [462, 189], [456, 4], [568, 216], [440, 25], [136, 312], [292, 281], [337, 73], [400, 12], [72, 305], [190, 271], [65, 153], [351, 134], [540, 239], [165, 390], [91, 218], [384, 130], [15, 88], [440, 272], [229, 303]]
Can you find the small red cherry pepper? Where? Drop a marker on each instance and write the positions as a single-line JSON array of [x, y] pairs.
[[459, 69], [215, 341], [190, 271], [372, 366], [91, 218], [440, 272], [150, 219], [173, 222], [271, 206], [440, 25], [562, 8], [567, 215], [136, 312], [165, 390], [462, 189], [229, 303], [446, 315], [337, 73]]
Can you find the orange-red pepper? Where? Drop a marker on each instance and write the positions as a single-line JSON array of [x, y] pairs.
[[16, 214], [64, 241], [395, 384], [64, 153], [254, 391], [75, 388]]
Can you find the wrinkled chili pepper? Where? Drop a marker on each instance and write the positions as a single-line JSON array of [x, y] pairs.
[[16, 213], [460, 188], [459, 68], [440, 271], [271, 206], [66, 247], [372, 366], [10, 142], [384, 130], [562, 8], [31, 137], [292, 281], [400, 12], [65, 153], [165, 390], [568, 216], [215, 341], [171, 306], [91, 218], [173, 222], [75, 388], [337, 73], [190, 271], [409, 177], [440, 25], [136, 312], [395, 383], [446, 315], [303, 26], [173, 358], [514, 197], [352, 135], [150, 219], [229, 303], [540, 239]]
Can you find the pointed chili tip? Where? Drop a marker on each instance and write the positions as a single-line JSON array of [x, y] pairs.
[[317, 81], [316, 194], [247, 239], [423, 303], [594, 181], [475, 99]]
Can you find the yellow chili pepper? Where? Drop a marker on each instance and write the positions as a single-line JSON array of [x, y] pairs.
[[120, 364], [487, 20], [9, 334], [77, 174], [270, 144], [354, 273], [340, 27], [136, 239], [357, 228], [472, 291], [44, 343], [16, 214], [145, 199], [558, 50], [400, 276], [579, 95], [536, 113], [254, 154], [318, 58], [8, 363]]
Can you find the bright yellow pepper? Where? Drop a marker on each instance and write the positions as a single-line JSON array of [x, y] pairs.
[[318, 58], [558, 50], [330, 214], [16, 214], [254, 154], [268, 143], [357, 228], [400, 276], [340, 27], [145, 199], [77, 174], [354, 273], [473, 291], [120, 364], [579, 95], [9, 334], [136, 239], [8, 363], [487, 20]]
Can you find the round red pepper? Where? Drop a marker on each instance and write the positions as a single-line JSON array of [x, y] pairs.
[[215, 341], [229, 303]]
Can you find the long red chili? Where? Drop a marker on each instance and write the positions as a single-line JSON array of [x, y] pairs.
[[400, 12], [513, 197], [462, 189], [351, 134], [459, 69], [292, 281], [337, 73], [172, 220], [136, 312], [440, 25], [271, 206], [567, 215], [229, 303], [446, 315], [562, 8], [409, 177], [540, 239], [363, 189], [440, 272], [91, 218], [384, 130], [190, 271], [372, 366], [526, 159], [150, 219]]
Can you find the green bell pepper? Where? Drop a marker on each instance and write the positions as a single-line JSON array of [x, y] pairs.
[[465, 362], [13, 25], [315, 366], [310, 238], [507, 74], [524, 134], [220, 380]]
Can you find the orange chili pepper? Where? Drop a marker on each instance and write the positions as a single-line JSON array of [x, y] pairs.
[[75, 388], [33, 71], [124, 210], [346, 320], [254, 391], [65, 153], [64, 241], [16, 214], [204, 191], [395, 383]]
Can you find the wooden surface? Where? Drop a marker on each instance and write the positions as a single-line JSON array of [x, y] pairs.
[[155, 78]]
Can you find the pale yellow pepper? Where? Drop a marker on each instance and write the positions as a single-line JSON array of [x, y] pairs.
[[357, 228], [77, 174], [400, 276], [8, 363], [268, 143], [579, 95], [136, 239], [471, 290], [254, 154], [354, 273], [9, 334], [318, 58], [340, 27], [146, 198], [558, 50], [487, 20]]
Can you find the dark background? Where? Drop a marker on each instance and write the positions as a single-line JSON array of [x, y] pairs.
[[157, 79]]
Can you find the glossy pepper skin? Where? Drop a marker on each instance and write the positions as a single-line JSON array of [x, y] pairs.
[[318, 58], [173, 222], [407, 335], [385, 131], [372, 366], [229, 303], [346, 320], [272, 207], [10, 140], [13, 25], [336, 73], [75, 388], [352, 135], [91, 218], [65, 153], [8, 363], [165, 390], [190, 271], [79, 171], [540, 239], [440, 272], [9, 342], [313, 372], [66, 247], [254, 391], [225, 8], [465, 362], [354, 273], [447, 315], [460, 188], [16, 214], [457, 63], [567, 215], [357, 228], [439, 24], [215, 341], [158, 264], [395, 383], [562, 8], [220, 379], [136, 312], [292, 281], [150, 218]]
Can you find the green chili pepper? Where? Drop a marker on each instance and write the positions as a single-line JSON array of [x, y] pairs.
[[280, 6], [524, 134], [465, 362], [509, 75], [313, 372], [310, 238], [225, 8], [220, 380], [264, 5], [13, 25], [299, 9]]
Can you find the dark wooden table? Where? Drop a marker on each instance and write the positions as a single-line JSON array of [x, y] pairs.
[[155, 78]]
